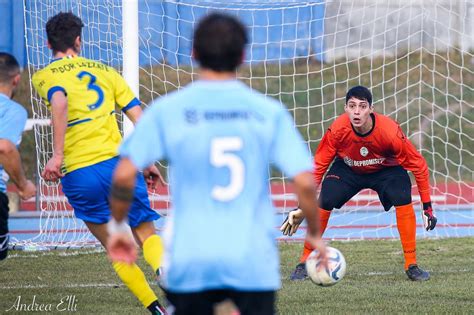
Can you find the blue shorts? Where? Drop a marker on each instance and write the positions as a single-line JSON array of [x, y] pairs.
[[87, 190]]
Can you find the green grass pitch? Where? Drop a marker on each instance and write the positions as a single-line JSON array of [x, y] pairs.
[[374, 282]]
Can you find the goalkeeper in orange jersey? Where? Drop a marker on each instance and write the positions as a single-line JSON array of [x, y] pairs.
[[369, 150]]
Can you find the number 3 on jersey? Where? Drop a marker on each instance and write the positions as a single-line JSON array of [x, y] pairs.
[[92, 86], [223, 155]]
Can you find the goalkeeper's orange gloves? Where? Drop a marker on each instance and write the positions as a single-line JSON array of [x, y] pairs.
[[292, 222], [429, 219]]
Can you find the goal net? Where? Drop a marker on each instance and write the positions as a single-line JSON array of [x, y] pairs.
[[415, 56]]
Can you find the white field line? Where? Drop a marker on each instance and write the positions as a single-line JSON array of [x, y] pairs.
[[114, 285], [70, 286], [57, 253], [389, 273]]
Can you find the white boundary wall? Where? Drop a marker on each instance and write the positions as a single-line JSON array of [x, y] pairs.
[[353, 29]]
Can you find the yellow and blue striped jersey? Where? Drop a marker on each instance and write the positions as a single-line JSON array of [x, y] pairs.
[[93, 90]]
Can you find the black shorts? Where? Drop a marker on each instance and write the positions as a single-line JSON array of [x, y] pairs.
[[206, 302], [392, 184], [3, 225]]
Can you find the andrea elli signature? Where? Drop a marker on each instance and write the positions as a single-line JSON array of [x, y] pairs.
[[66, 303]]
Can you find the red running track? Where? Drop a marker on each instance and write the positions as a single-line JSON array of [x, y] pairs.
[[452, 194]]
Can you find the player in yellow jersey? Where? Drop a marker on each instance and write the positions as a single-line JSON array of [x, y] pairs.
[[82, 95]]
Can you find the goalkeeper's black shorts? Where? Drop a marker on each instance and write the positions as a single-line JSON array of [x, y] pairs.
[[340, 184]]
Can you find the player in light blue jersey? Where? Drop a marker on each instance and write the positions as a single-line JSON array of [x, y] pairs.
[[219, 138], [12, 122]]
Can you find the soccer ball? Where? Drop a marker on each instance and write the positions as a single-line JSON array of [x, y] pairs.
[[326, 276]]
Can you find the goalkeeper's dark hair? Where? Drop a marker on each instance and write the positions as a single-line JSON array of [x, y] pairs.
[[360, 92], [9, 67], [219, 42], [62, 30]]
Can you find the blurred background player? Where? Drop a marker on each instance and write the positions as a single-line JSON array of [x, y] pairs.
[[219, 137], [82, 95], [370, 151], [12, 122]]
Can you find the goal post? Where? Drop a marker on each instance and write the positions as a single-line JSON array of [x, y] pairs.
[[130, 46], [415, 56]]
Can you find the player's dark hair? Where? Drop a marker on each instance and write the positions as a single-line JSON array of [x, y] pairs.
[[62, 30], [9, 67], [359, 92], [219, 42]]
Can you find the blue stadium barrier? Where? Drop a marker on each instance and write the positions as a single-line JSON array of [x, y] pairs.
[[12, 36], [281, 32]]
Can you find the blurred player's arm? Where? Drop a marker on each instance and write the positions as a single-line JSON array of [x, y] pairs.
[[122, 189], [58, 101], [130, 105], [411, 160], [11, 161], [152, 175], [325, 154], [11, 130], [139, 150], [306, 193], [120, 245]]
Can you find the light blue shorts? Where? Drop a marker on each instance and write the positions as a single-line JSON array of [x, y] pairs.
[[87, 190]]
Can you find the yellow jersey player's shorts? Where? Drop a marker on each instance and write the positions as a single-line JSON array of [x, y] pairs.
[[87, 190]]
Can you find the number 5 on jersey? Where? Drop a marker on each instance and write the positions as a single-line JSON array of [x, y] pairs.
[[223, 154]]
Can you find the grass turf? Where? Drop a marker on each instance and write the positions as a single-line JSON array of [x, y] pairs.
[[374, 283]]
